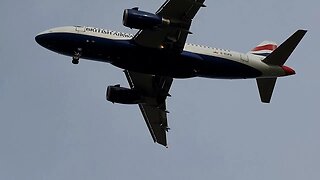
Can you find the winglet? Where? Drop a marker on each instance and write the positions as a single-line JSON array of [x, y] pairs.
[[280, 55]]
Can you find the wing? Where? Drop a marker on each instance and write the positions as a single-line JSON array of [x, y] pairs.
[[181, 13], [155, 90]]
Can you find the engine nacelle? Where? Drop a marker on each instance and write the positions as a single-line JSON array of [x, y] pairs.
[[133, 18], [117, 94]]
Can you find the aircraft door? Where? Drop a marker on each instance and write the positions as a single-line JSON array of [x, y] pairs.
[[244, 57], [80, 29]]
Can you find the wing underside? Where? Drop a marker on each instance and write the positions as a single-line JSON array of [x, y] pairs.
[[180, 13], [155, 90], [172, 38]]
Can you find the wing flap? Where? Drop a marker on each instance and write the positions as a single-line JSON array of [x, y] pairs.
[[156, 122]]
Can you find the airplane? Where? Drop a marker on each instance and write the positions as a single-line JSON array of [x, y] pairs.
[[158, 53]]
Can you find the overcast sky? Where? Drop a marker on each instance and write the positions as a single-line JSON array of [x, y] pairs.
[[56, 124]]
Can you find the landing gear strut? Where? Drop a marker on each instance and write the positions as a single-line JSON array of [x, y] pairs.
[[75, 60], [76, 56]]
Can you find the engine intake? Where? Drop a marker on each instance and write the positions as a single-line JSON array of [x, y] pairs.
[[133, 18], [117, 94]]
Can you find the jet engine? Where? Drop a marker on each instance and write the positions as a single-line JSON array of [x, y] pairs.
[[133, 18], [117, 94]]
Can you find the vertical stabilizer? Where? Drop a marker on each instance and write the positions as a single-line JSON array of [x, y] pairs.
[[264, 49]]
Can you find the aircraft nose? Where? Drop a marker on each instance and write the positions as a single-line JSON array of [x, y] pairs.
[[45, 39], [41, 39]]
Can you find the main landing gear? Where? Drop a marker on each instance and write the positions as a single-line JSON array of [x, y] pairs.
[[76, 56]]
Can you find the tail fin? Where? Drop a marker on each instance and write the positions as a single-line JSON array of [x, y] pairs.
[[264, 49], [277, 57]]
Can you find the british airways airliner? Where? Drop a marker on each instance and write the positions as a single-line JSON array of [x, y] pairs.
[[158, 53]]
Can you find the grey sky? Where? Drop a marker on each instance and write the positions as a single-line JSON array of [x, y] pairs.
[[56, 124]]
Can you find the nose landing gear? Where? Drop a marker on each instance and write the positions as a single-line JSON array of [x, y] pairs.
[[76, 56]]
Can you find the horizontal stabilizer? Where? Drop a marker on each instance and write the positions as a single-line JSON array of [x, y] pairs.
[[280, 55], [266, 86]]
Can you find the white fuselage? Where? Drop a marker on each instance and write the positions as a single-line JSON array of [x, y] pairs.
[[203, 52]]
